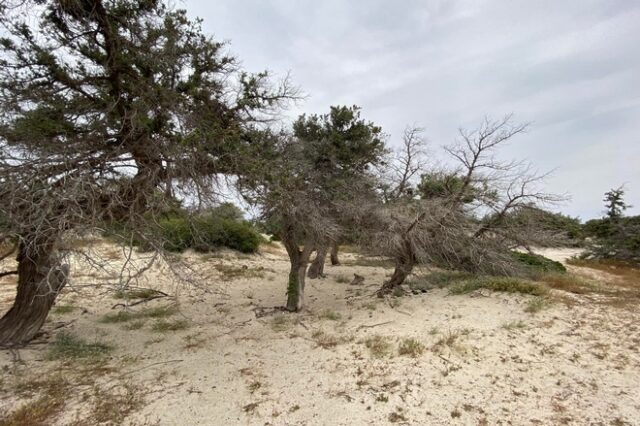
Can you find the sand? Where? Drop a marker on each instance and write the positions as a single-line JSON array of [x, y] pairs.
[[486, 360]]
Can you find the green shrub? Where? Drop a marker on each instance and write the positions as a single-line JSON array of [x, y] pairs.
[[211, 232], [539, 262], [176, 233], [614, 238], [208, 233]]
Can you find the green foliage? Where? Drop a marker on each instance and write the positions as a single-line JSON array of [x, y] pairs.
[[442, 185], [539, 262], [67, 346], [615, 236], [340, 140], [176, 233], [208, 232], [546, 221], [614, 203]]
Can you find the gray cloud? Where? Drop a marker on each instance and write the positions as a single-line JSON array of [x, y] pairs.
[[572, 68]]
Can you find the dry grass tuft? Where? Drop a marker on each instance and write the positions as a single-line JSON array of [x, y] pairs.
[[379, 346], [410, 347]]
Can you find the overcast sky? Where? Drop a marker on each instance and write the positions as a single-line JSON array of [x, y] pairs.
[[571, 68]]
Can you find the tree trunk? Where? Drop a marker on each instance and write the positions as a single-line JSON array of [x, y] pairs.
[[317, 266], [404, 267], [299, 261], [334, 254], [40, 279]]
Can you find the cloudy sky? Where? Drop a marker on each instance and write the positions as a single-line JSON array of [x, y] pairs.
[[571, 68]]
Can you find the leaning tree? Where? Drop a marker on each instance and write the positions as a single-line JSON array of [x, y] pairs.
[[341, 145], [108, 109], [457, 218], [310, 184]]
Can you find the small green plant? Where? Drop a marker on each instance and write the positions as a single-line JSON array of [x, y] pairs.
[[164, 326], [232, 272], [67, 346], [63, 309], [330, 315], [379, 346], [504, 284], [535, 305], [135, 325], [326, 340], [410, 347], [447, 340], [539, 262]]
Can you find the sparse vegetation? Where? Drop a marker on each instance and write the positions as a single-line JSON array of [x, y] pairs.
[[410, 347], [125, 316], [504, 284], [63, 309], [379, 346], [326, 340], [164, 326], [539, 263], [67, 346], [328, 314], [124, 128], [535, 305]]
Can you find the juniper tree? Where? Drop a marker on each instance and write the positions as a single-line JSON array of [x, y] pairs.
[[443, 225], [342, 144], [107, 110], [311, 183]]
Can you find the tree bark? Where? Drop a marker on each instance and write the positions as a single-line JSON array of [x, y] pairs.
[[404, 267], [40, 279], [334, 254], [317, 266], [299, 260]]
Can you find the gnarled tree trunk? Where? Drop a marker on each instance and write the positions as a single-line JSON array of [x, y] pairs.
[[299, 261], [317, 266], [404, 266], [40, 279], [334, 254]]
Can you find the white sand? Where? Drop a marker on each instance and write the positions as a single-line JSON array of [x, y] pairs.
[[575, 364]]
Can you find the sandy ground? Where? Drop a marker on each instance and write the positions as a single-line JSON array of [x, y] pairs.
[[487, 361]]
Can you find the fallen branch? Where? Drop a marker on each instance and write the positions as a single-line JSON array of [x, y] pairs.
[[372, 325]]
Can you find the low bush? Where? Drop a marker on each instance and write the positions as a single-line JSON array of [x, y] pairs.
[[539, 262], [504, 284]]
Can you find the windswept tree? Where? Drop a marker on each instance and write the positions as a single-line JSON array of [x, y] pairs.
[[109, 110], [342, 144], [311, 184], [458, 220], [615, 236]]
